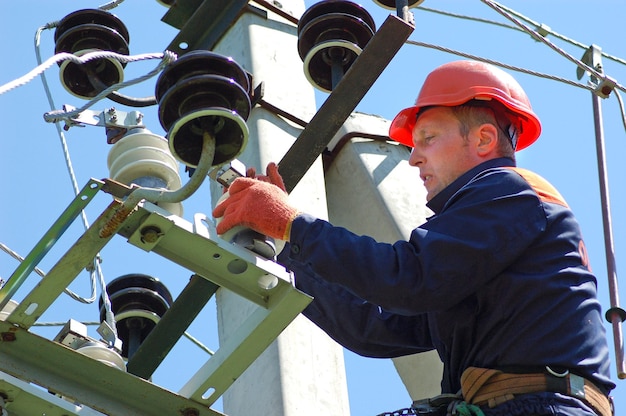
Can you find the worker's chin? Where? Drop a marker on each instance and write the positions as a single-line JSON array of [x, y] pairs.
[[431, 193]]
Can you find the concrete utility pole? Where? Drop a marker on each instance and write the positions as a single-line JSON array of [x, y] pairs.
[[302, 372], [372, 190]]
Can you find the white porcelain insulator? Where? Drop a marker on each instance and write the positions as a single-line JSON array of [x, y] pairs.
[[142, 154], [103, 354]]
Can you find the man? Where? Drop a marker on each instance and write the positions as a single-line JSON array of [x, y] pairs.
[[497, 280]]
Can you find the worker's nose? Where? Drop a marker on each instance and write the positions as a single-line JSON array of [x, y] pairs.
[[415, 159]]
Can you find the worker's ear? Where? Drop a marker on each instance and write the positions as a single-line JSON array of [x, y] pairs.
[[487, 135]]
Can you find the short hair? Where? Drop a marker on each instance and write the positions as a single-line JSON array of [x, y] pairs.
[[477, 112]]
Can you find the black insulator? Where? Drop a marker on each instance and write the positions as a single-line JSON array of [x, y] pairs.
[[204, 92], [391, 4], [335, 6], [331, 35], [85, 31], [134, 295], [200, 62]]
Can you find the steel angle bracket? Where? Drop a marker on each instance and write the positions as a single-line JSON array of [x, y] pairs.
[[197, 247], [243, 346], [22, 398], [343, 99], [86, 381]]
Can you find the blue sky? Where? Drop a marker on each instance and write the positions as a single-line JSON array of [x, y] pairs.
[[37, 187]]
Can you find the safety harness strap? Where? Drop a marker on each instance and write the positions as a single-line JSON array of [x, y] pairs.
[[483, 386]]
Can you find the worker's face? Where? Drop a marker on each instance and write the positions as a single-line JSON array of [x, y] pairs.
[[441, 153]]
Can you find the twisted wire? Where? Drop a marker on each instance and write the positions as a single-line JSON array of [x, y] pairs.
[[42, 274]]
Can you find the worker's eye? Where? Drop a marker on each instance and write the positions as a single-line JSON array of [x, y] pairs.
[[424, 138]]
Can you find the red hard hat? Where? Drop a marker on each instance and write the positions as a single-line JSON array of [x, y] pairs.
[[458, 82]]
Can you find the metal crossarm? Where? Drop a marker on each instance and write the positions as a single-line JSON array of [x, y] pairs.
[[89, 382], [194, 246], [197, 247]]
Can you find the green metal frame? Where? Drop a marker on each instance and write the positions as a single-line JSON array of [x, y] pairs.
[[32, 400], [82, 379], [194, 246]]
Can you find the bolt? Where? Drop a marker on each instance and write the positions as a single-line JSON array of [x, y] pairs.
[[190, 411], [606, 90], [112, 114], [150, 234], [7, 336]]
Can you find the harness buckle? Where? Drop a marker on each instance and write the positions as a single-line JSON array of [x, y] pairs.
[[576, 386]]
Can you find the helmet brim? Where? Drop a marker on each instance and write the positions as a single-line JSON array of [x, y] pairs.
[[401, 129]]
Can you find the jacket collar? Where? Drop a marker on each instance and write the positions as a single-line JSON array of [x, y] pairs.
[[437, 203]]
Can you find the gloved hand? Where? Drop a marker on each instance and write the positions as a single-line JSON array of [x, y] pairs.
[[273, 176], [260, 203]]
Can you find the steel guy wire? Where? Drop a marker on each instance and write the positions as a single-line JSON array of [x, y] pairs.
[[541, 28], [593, 71], [534, 34]]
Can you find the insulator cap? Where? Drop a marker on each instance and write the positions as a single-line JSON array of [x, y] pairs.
[[86, 31], [331, 35]]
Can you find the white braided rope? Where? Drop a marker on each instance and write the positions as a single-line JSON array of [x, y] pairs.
[[166, 57]]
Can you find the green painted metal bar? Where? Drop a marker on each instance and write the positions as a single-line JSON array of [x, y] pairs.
[[197, 247], [77, 258], [48, 240], [27, 399], [171, 327], [84, 380], [242, 347], [180, 12]]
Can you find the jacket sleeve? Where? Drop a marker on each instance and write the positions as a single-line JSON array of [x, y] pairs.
[[358, 325], [480, 232]]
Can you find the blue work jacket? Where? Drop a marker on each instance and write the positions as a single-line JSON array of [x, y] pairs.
[[498, 277]]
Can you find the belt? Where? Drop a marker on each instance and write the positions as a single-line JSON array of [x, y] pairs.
[[482, 386]]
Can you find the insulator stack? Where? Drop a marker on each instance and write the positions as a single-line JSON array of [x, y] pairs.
[[204, 92], [331, 35], [91, 30], [138, 301], [144, 159]]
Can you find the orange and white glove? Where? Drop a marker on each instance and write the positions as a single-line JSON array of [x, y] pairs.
[[259, 203], [273, 176]]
